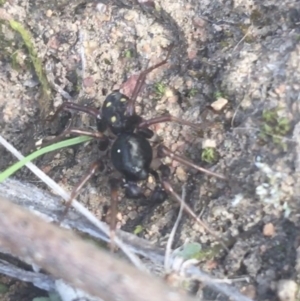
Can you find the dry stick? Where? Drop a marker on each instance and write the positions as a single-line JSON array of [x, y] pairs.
[[50, 207], [167, 265], [80, 208], [46, 205], [39, 280], [79, 263], [227, 290]]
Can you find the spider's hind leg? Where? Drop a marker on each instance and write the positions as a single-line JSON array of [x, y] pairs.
[[163, 151], [97, 165], [165, 175]]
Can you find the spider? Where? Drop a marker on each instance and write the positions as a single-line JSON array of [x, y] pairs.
[[131, 152]]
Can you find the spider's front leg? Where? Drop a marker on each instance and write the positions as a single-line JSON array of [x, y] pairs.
[[71, 106], [130, 111], [101, 125]]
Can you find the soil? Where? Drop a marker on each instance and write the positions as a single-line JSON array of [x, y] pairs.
[[247, 52]]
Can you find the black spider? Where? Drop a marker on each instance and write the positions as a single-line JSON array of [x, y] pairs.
[[131, 153]]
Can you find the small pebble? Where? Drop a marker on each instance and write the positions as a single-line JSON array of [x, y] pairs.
[[132, 215], [286, 290], [119, 216], [269, 229], [219, 104], [209, 143], [181, 174], [169, 93], [49, 13], [101, 7], [131, 15], [249, 291]]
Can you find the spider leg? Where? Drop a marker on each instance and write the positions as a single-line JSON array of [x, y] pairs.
[[75, 107], [97, 165], [103, 139], [165, 175], [140, 81], [163, 151], [158, 195], [168, 118]]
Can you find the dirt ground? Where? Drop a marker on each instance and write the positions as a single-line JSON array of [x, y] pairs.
[[247, 52]]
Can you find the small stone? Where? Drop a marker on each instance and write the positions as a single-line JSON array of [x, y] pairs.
[[131, 15], [249, 291], [57, 156], [169, 93], [209, 143], [173, 99], [286, 290], [219, 104], [101, 8], [88, 81], [269, 229], [132, 215], [199, 22], [119, 216], [49, 13], [150, 179], [216, 211], [181, 174]]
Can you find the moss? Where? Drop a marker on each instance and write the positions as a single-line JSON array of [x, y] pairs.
[[274, 128], [209, 155], [192, 92], [128, 54], [138, 229], [194, 250], [244, 28], [3, 288], [37, 64], [160, 89], [14, 60], [228, 34], [256, 16], [107, 62], [218, 94], [260, 18], [224, 44]]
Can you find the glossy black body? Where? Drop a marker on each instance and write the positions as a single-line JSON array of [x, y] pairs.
[[131, 155], [131, 152]]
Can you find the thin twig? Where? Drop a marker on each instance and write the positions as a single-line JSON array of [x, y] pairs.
[[173, 232], [227, 290], [82, 56], [243, 38]]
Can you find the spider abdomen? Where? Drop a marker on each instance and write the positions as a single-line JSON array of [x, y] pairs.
[[131, 155]]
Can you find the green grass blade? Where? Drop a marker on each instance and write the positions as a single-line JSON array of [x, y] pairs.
[[12, 169]]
